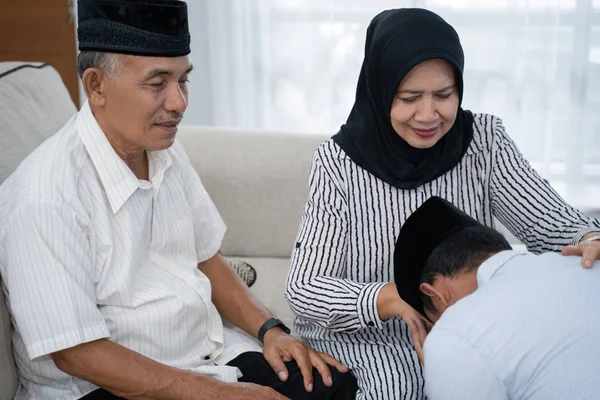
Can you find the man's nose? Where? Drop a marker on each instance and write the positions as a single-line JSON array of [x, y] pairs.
[[176, 99]]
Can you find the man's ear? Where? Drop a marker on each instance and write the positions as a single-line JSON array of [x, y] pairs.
[[94, 85], [427, 289], [433, 294]]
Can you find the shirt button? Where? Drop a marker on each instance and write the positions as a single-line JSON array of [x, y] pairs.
[[371, 323]]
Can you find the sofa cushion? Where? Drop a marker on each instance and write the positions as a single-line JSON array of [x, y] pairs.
[[35, 104], [271, 275], [8, 372], [258, 181]]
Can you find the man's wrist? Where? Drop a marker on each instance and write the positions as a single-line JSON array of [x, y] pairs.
[[269, 325], [273, 332]]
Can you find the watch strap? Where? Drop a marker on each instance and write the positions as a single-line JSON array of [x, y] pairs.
[[271, 323]]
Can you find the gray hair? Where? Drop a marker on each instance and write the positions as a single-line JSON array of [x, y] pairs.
[[107, 62]]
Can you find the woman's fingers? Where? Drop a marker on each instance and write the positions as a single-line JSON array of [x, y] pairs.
[[418, 337]]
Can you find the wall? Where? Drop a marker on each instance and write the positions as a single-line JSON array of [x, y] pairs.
[[40, 30]]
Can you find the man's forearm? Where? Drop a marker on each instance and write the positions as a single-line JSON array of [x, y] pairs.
[[231, 296], [131, 375]]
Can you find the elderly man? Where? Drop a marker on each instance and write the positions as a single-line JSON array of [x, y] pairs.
[[109, 243], [508, 325]]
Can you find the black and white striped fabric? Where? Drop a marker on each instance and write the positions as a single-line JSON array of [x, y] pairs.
[[344, 250], [244, 270]]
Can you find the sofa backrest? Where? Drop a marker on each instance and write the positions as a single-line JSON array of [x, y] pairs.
[[258, 181], [34, 104]]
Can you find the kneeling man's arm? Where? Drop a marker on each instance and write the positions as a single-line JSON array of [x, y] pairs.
[[456, 370]]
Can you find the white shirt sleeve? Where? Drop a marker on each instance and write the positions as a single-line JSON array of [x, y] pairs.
[[50, 277], [454, 369], [209, 228]]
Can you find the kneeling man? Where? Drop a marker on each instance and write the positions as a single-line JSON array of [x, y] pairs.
[[508, 325]]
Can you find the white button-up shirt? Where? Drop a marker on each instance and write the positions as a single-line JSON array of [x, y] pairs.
[[530, 331], [88, 251]]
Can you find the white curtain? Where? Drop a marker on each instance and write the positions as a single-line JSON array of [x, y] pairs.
[[292, 65]]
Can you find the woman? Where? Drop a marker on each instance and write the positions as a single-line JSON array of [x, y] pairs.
[[406, 139]]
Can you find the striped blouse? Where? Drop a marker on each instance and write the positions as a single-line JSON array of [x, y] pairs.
[[344, 250]]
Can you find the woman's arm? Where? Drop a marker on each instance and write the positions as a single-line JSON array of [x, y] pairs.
[[528, 206], [317, 288]]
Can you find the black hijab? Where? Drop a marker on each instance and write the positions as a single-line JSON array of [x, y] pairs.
[[398, 40]]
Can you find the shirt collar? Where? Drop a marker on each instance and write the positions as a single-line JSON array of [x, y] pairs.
[[490, 266], [118, 180]]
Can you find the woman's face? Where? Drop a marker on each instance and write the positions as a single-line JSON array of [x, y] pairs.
[[425, 105]]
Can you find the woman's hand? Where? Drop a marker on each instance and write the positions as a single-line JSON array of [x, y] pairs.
[[419, 327], [589, 251], [389, 304]]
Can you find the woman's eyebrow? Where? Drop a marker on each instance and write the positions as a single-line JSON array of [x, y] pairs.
[[411, 91], [445, 89]]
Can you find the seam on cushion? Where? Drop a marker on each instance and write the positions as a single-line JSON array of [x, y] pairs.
[[10, 71]]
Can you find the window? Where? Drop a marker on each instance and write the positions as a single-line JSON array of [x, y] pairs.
[[292, 65]]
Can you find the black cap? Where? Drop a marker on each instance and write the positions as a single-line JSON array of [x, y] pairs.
[[155, 28], [431, 223]]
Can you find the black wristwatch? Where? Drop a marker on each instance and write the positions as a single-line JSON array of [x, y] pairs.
[[271, 323]]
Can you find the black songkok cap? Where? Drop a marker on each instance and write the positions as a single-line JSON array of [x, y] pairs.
[[435, 220], [155, 28]]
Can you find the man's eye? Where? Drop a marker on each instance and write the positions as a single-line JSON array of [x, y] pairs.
[[156, 85]]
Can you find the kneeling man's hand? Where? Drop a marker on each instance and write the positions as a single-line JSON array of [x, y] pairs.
[[279, 347]]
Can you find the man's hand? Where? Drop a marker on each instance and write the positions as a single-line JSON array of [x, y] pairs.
[[247, 391], [279, 347], [236, 304], [589, 252]]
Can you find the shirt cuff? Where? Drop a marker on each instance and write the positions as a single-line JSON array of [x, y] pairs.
[[582, 233], [367, 305], [67, 340]]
